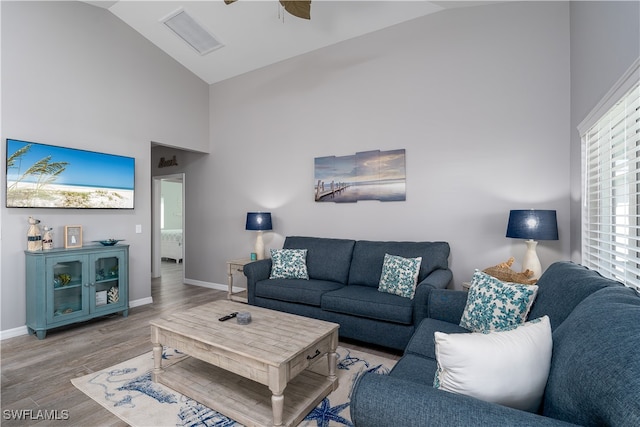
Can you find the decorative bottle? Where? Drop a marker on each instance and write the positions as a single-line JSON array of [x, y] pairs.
[[34, 236], [47, 238]]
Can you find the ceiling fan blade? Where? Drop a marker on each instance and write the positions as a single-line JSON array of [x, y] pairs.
[[299, 8]]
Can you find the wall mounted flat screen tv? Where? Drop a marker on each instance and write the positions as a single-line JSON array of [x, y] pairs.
[[47, 176]]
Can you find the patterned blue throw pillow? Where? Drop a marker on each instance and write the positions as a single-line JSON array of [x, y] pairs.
[[493, 305], [399, 275], [289, 264]]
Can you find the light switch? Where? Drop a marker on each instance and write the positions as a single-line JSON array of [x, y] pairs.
[[138, 228]]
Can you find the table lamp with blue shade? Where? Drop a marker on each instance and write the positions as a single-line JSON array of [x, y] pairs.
[[532, 224], [259, 222]]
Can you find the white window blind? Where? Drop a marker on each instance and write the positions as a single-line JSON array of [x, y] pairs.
[[611, 187]]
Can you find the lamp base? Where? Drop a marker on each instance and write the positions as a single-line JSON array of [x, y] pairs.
[[259, 249], [531, 260]]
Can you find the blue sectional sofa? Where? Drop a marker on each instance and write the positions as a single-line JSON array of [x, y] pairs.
[[343, 287], [594, 378]]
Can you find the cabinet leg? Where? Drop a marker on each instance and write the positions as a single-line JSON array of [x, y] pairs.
[[41, 334], [125, 313]]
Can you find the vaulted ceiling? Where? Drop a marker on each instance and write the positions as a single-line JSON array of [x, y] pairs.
[[258, 33]]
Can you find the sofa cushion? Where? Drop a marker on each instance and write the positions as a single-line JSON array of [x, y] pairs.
[[415, 368], [327, 259], [422, 341], [505, 367], [399, 275], [595, 370], [289, 264], [493, 305], [365, 301], [447, 304], [368, 258], [561, 287], [295, 290]]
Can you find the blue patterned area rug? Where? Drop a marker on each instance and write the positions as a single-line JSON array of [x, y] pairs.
[[128, 392]]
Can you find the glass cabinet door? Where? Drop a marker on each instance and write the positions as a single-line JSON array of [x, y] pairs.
[[106, 282], [66, 283]]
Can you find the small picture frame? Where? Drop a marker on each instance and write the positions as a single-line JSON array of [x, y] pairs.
[[72, 236]]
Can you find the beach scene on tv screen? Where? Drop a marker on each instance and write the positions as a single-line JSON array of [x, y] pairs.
[[47, 176]]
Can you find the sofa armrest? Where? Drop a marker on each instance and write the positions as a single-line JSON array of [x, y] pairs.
[[446, 305], [438, 279], [384, 401], [256, 271]]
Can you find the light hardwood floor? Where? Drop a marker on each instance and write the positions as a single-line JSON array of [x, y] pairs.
[[36, 374]]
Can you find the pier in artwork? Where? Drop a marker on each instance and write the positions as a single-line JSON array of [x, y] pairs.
[[329, 190]]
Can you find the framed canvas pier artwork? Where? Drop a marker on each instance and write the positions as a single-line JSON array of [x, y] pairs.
[[368, 175]]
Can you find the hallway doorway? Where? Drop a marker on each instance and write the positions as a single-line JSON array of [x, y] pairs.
[[168, 237]]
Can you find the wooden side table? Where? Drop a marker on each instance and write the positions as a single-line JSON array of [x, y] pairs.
[[233, 267]]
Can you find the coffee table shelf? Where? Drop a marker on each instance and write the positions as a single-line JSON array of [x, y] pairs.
[[243, 400]]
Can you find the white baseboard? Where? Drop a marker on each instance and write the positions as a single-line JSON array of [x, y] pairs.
[[15, 332], [22, 330], [141, 301], [216, 286]]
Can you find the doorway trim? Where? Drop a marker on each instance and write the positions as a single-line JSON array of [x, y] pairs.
[[156, 196]]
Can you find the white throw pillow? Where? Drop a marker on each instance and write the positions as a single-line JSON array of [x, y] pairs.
[[505, 367]]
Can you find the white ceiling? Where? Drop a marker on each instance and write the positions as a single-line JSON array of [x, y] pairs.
[[257, 33]]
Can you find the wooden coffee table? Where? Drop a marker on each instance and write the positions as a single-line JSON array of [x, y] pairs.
[[242, 371]]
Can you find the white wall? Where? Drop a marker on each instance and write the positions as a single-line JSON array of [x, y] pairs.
[[605, 40], [478, 97], [75, 75]]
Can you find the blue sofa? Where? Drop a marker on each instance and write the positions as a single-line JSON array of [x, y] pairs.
[[594, 377], [343, 287]]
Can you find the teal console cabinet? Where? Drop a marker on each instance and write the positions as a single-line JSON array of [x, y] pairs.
[[66, 286]]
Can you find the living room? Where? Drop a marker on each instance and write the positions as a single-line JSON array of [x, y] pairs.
[[485, 100]]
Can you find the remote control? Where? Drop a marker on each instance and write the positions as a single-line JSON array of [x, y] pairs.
[[228, 316]]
